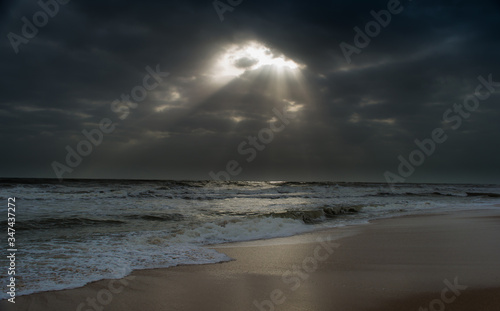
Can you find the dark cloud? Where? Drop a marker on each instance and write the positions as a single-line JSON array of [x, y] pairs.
[[245, 62], [350, 121]]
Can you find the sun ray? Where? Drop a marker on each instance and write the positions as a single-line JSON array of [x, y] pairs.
[[261, 70]]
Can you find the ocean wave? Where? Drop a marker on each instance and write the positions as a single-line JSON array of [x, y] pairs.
[[317, 215], [67, 222], [483, 194], [157, 217], [418, 194]]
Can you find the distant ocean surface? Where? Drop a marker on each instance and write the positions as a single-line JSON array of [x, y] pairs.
[[71, 233]]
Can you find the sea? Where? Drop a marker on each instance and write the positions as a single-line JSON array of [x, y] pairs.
[[74, 232]]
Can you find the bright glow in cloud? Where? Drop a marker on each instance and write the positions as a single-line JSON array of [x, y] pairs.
[[239, 58], [293, 106]]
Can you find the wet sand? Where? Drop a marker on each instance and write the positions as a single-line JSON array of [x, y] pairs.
[[449, 261]]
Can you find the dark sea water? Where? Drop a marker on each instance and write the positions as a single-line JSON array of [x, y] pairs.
[[78, 231]]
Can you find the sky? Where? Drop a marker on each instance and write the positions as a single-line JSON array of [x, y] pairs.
[[381, 91]]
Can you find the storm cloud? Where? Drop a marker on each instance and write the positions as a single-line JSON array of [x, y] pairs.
[[349, 121]]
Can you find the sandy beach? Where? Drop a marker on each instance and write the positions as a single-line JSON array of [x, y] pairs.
[[433, 262]]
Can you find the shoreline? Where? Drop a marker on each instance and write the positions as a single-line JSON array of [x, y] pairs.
[[244, 243], [274, 264]]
